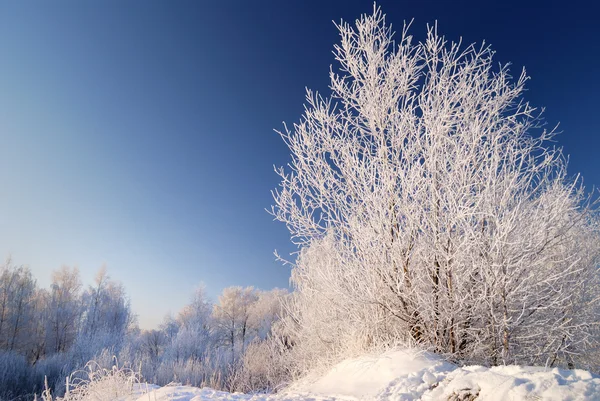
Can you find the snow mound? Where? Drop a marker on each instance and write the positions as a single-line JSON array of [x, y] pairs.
[[518, 383], [410, 375], [402, 375]]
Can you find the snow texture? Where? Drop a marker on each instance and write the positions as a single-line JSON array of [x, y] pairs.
[[408, 375]]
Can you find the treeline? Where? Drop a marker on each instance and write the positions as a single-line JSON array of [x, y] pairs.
[[51, 333]]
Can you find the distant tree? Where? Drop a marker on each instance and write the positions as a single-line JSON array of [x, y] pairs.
[[22, 311], [430, 208], [39, 324], [7, 288], [263, 365], [50, 333], [193, 336], [153, 343], [196, 315], [64, 309], [105, 319], [267, 310], [232, 316], [92, 300], [17, 293], [106, 308], [170, 326]]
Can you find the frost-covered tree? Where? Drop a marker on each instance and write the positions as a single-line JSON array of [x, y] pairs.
[[153, 343], [49, 333], [17, 295], [264, 364], [233, 317], [267, 310], [37, 329], [106, 308], [193, 335], [170, 326], [431, 209], [106, 317], [196, 315], [218, 345], [64, 309]]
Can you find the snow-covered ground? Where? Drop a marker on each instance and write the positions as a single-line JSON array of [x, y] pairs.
[[406, 375]]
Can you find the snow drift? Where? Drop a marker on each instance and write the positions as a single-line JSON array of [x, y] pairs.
[[408, 375]]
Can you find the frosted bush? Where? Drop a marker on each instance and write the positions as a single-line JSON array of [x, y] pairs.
[[95, 383], [13, 374]]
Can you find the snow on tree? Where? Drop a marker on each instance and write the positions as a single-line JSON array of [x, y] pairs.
[[264, 363], [232, 316], [153, 342], [106, 317], [64, 309], [107, 309], [267, 310], [193, 333], [196, 315], [430, 209], [17, 307]]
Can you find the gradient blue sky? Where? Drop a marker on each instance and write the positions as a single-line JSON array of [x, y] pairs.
[[139, 133]]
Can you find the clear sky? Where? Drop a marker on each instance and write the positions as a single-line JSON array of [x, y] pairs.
[[139, 134]]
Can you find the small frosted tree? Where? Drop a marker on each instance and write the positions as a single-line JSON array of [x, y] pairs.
[[431, 210]]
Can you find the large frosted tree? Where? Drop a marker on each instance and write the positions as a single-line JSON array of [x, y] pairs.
[[430, 208]]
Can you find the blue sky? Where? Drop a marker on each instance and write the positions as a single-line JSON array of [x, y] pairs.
[[139, 134]]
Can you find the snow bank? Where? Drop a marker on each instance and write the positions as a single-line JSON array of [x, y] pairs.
[[409, 375], [519, 383], [186, 393], [406, 372]]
